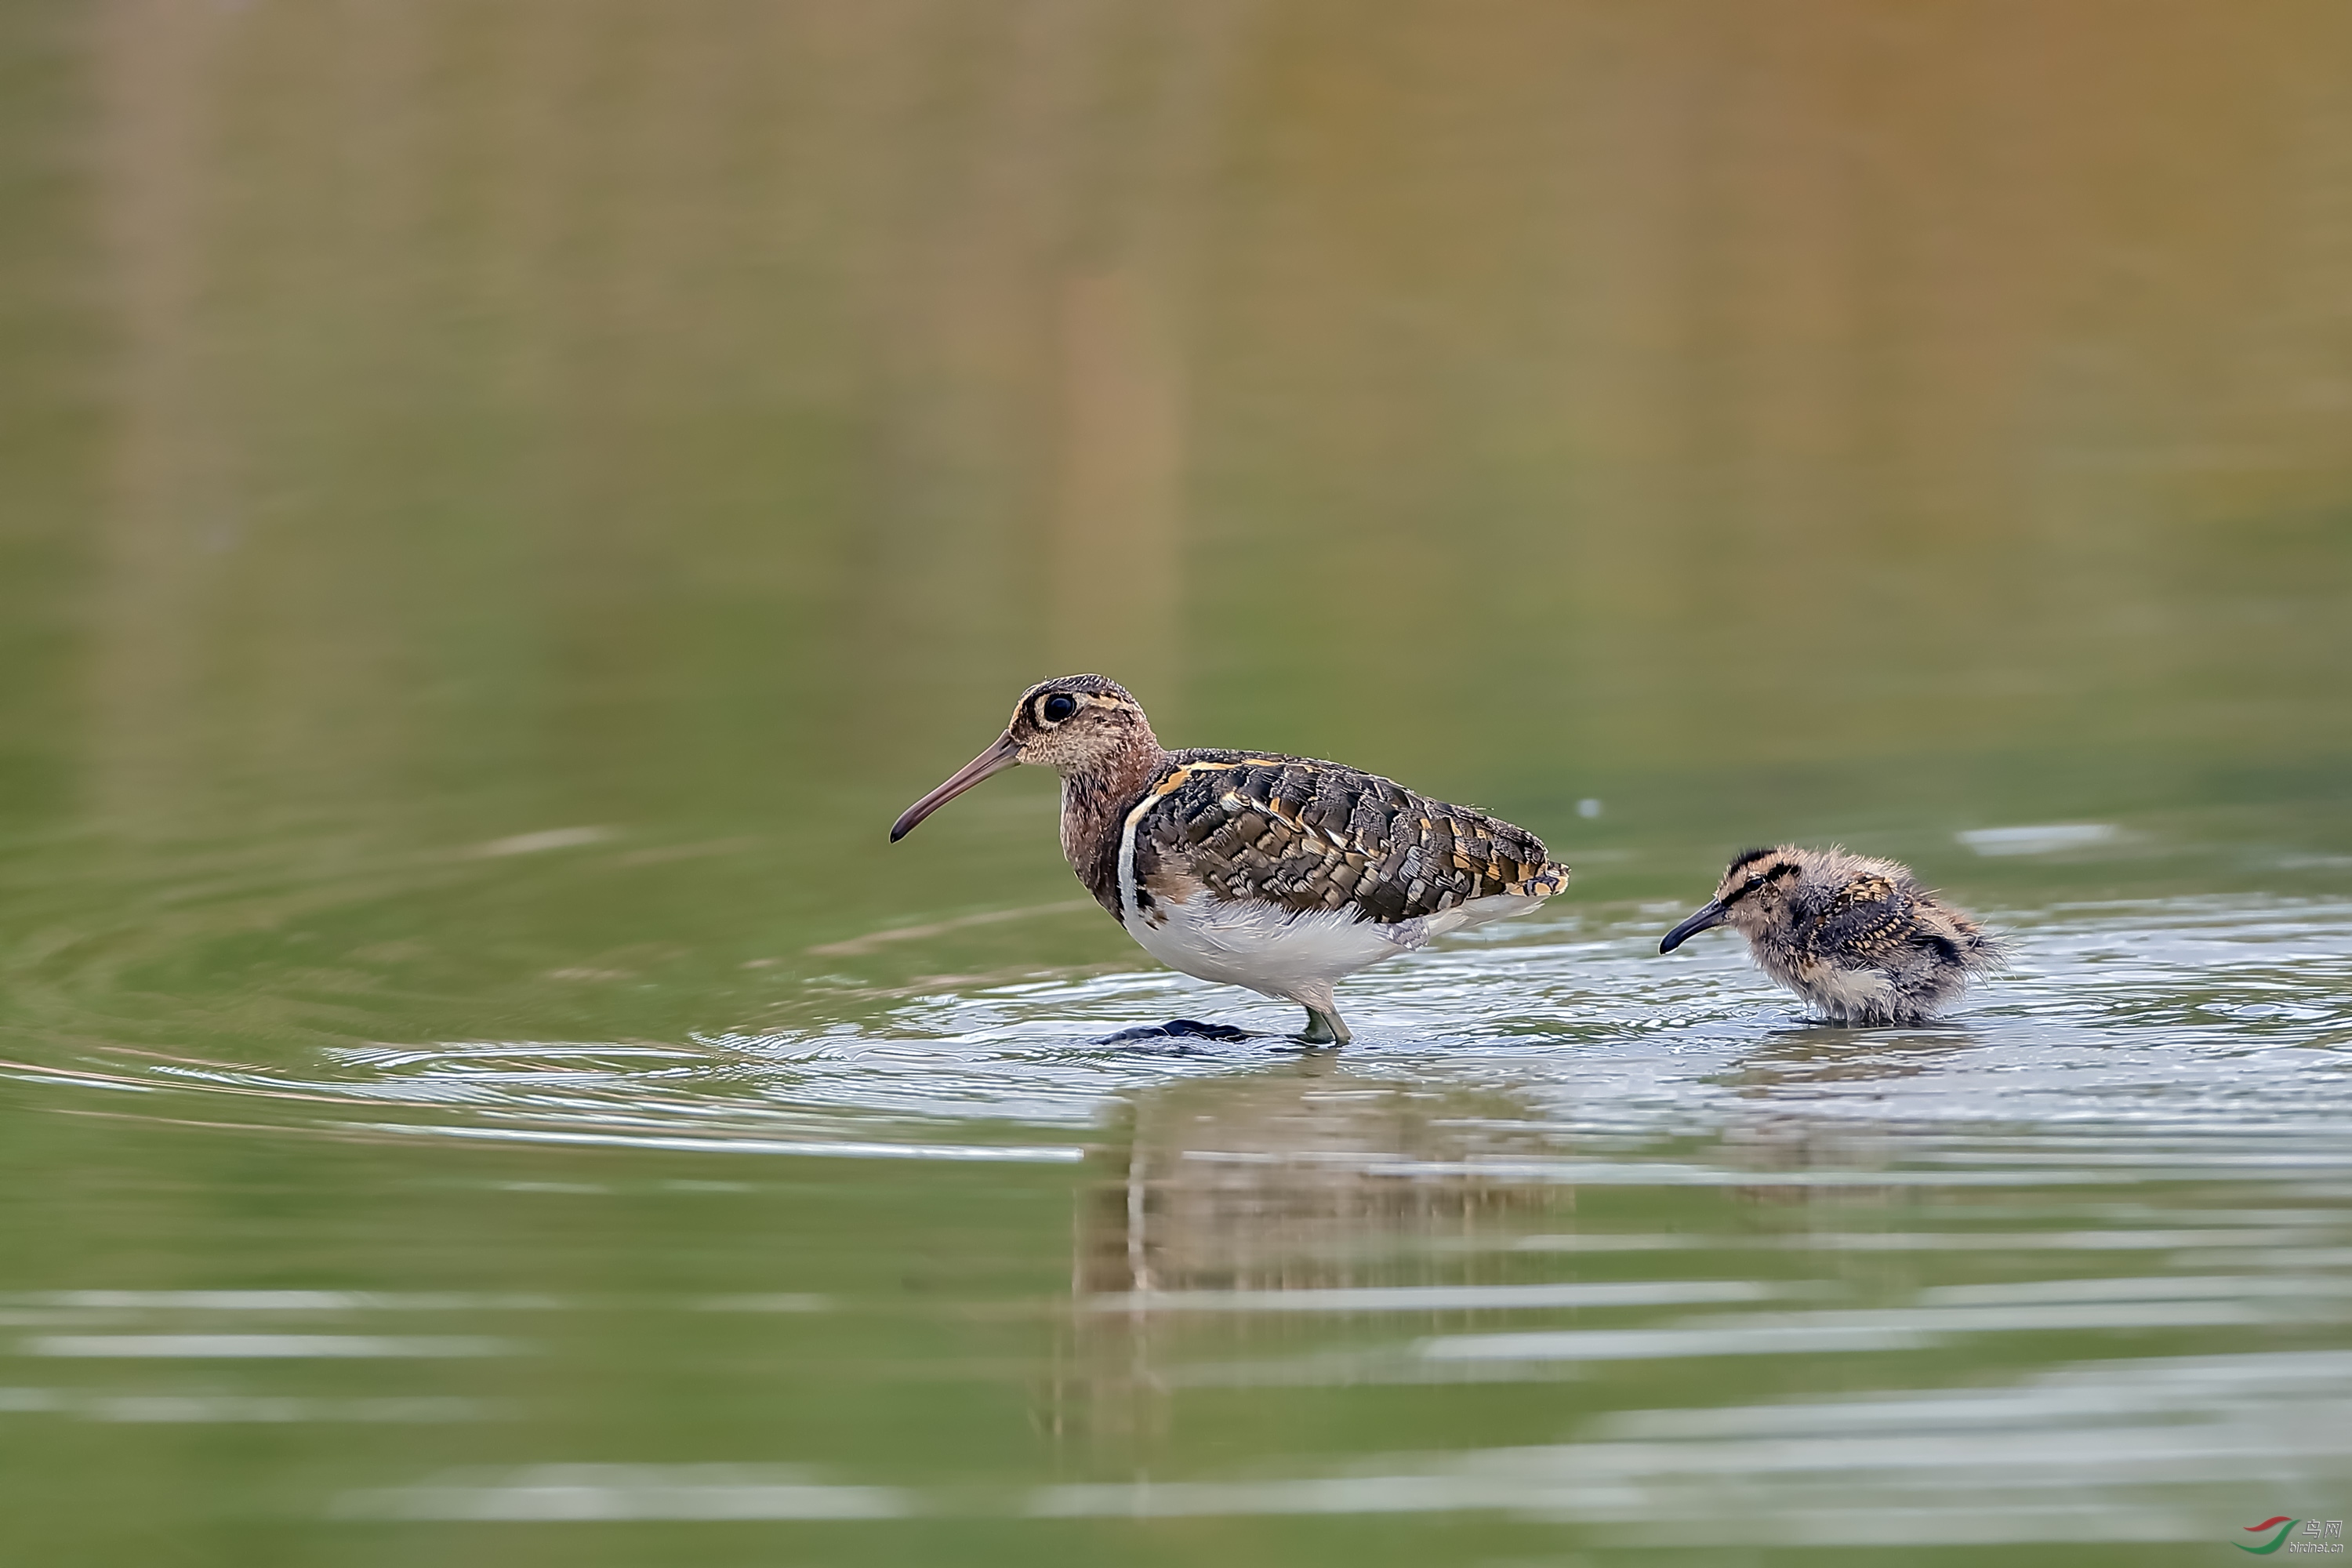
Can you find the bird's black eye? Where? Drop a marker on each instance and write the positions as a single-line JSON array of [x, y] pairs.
[[1057, 706]]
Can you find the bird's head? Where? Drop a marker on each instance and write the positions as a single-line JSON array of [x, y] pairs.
[[1073, 724], [1762, 888]]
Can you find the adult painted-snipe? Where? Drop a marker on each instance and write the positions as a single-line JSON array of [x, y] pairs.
[[1280, 874], [1858, 938]]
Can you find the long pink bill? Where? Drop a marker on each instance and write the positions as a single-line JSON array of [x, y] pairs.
[[1006, 753]]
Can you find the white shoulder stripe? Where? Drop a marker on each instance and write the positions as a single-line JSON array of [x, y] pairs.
[[1130, 903]]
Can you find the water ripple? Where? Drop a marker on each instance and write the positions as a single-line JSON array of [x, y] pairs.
[[2184, 1018]]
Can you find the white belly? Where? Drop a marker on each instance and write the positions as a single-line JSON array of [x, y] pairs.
[[1268, 949], [1277, 953], [1846, 993]]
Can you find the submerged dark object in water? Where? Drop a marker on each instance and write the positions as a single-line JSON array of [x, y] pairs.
[[1858, 938], [1176, 1030]]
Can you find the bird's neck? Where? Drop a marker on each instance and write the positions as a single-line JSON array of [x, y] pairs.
[[1094, 803]]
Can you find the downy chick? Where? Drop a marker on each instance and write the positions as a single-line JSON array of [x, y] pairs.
[[1858, 938]]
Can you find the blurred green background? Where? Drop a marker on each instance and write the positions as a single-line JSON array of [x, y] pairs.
[[719, 410]]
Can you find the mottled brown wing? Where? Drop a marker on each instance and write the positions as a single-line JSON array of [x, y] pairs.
[[1870, 917], [1317, 836]]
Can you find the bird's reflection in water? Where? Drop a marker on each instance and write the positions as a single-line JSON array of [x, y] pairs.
[[1221, 1193], [1777, 1133], [1807, 1053]]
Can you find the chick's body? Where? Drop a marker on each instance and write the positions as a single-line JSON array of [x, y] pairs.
[[1856, 936]]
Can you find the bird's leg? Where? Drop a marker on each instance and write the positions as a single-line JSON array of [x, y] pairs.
[[1324, 1025], [1325, 1028]]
